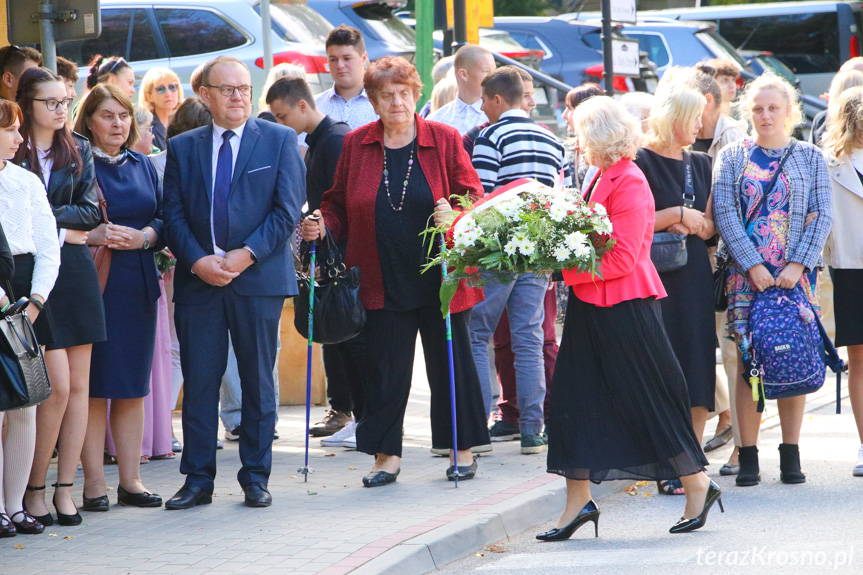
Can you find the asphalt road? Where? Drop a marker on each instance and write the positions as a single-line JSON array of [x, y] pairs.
[[772, 528]]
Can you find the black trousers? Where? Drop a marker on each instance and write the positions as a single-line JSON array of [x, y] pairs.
[[391, 344], [344, 365]]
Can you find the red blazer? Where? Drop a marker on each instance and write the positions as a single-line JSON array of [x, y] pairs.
[[627, 271], [348, 209]]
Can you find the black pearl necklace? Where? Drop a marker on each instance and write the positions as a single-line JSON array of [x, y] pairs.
[[405, 183]]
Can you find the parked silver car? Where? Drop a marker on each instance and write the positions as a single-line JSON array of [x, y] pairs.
[[182, 34]]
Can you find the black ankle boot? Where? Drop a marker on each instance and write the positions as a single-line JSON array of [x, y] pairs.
[[789, 464], [749, 474]]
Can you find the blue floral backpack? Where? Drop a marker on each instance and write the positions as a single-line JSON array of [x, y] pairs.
[[787, 351]]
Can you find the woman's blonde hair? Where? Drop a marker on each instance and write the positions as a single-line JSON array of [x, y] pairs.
[[607, 130], [443, 93], [844, 122], [151, 80], [283, 70], [675, 103], [770, 81], [841, 82]]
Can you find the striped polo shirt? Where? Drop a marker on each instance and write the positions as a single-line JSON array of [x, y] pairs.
[[516, 147]]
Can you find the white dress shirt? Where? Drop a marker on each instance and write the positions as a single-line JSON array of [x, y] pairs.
[[356, 112], [235, 150], [29, 225], [46, 164], [460, 115]]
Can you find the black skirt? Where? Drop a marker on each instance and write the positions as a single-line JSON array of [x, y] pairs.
[[848, 306], [21, 284], [619, 405], [77, 310]]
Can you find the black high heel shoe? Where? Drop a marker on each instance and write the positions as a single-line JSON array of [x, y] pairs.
[[714, 495], [46, 520], [590, 512], [63, 519]]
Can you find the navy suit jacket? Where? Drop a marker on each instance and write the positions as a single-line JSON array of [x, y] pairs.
[[264, 203]]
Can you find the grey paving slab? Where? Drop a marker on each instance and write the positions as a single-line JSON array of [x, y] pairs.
[[328, 525]]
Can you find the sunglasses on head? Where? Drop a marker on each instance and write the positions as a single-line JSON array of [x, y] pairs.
[[12, 49], [169, 88], [108, 67]]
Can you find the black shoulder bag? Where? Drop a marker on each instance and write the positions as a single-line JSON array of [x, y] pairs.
[[668, 250], [339, 314], [720, 300], [23, 377]]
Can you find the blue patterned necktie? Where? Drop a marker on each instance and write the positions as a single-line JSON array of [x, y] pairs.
[[221, 188]]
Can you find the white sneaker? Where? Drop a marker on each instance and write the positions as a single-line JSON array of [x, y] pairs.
[[336, 439], [858, 469], [351, 442]]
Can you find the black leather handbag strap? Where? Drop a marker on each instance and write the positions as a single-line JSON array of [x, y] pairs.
[[688, 182]]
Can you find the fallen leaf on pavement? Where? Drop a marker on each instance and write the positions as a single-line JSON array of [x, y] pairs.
[[641, 484], [310, 492], [293, 476], [631, 490], [69, 537], [19, 546], [495, 548], [647, 494], [330, 455], [480, 554], [52, 535], [352, 468]]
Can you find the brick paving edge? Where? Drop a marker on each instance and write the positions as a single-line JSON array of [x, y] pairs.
[[458, 539]]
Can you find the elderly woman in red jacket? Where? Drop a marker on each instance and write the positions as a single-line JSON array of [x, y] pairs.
[[619, 405], [393, 177]]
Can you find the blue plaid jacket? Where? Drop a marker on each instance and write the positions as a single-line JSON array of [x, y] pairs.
[[805, 173]]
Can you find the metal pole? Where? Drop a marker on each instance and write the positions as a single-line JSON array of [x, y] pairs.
[[49, 48], [268, 36], [459, 17], [607, 61], [424, 57]]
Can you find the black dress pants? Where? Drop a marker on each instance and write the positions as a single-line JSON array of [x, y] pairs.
[[391, 342], [344, 365]]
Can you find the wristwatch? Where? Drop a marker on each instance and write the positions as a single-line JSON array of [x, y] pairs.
[[146, 245]]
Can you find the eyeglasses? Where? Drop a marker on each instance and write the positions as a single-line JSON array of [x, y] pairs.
[[169, 88], [228, 91], [53, 104], [112, 67], [148, 128]]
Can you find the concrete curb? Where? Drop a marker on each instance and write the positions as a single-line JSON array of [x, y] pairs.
[[456, 540]]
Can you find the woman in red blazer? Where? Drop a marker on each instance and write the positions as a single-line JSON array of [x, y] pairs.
[[393, 177], [619, 407]]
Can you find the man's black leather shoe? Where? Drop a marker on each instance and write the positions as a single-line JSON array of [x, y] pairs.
[[189, 496], [257, 495]]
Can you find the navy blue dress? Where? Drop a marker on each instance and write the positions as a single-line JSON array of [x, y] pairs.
[[120, 366]]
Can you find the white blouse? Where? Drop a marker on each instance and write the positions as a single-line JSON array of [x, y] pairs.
[[29, 225]]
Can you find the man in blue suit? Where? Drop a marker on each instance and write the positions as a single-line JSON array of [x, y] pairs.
[[233, 193]]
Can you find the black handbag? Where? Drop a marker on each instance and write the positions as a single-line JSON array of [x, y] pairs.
[[23, 376], [339, 314], [668, 250], [720, 276]]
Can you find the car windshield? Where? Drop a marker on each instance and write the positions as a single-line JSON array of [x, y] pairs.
[[390, 29], [298, 23], [720, 47]]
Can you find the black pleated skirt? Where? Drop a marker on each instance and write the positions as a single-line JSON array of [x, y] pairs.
[[77, 310], [619, 406], [22, 281]]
